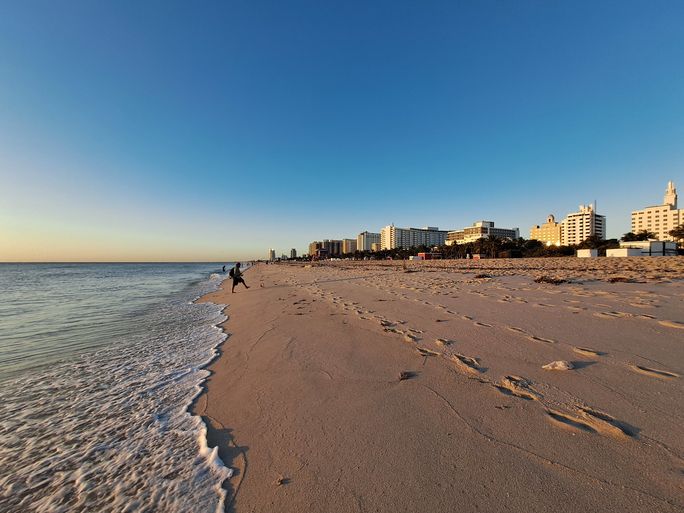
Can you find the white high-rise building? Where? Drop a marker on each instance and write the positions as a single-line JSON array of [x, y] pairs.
[[392, 237], [576, 227], [660, 219], [271, 255], [365, 241]]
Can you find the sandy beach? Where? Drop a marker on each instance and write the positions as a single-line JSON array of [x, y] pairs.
[[379, 387]]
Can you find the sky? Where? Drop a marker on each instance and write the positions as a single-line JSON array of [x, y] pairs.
[[213, 131]]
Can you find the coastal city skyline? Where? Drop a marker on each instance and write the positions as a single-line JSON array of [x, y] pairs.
[[210, 134], [573, 229]]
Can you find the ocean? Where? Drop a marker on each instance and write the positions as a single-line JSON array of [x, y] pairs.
[[98, 366]]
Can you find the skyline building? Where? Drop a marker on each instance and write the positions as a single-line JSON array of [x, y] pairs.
[[271, 255], [392, 237], [365, 241], [660, 219], [314, 247], [577, 226], [333, 247], [348, 246], [293, 253], [550, 233], [480, 230]]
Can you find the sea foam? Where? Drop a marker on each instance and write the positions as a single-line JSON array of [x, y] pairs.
[[110, 431]]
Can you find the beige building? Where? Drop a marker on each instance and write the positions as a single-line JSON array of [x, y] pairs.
[[480, 230], [271, 255], [348, 246], [314, 247], [576, 227], [550, 233], [660, 219], [392, 237], [376, 246], [365, 241]]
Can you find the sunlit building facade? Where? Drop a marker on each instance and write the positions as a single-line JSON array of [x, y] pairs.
[[550, 233], [392, 237], [365, 241], [348, 246], [578, 226], [660, 219], [480, 230]]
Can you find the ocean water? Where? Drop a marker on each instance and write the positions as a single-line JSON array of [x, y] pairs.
[[98, 365]]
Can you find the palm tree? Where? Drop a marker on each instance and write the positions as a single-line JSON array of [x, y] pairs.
[[642, 235], [677, 233]]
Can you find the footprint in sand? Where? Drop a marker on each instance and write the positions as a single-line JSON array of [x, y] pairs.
[[541, 339], [587, 352], [466, 317], [654, 373], [672, 324], [427, 352], [482, 324], [569, 421], [642, 305], [442, 342], [517, 330], [409, 338], [518, 387], [591, 421], [611, 315], [604, 423], [466, 363]]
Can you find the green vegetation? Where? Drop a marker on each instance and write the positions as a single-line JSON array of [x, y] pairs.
[[678, 234], [642, 235]]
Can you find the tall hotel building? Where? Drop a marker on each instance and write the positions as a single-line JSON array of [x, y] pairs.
[[365, 241], [392, 237], [550, 233], [661, 218], [314, 247], [271, 255], [576, 227], [348, 246]]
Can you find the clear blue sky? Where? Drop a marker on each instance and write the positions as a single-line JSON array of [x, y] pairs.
[[215, 130]]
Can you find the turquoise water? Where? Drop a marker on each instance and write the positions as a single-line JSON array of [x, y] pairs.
[[98, 366]]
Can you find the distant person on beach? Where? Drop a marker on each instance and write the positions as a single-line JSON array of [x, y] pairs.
[[224, 268], [236, 274]]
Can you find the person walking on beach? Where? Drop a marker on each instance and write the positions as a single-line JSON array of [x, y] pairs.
[[236, 274]]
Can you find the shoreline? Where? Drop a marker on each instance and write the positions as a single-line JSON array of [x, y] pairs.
[[211, 438], [306, 404]]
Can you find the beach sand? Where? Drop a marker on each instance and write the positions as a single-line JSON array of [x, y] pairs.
[[361, 387]]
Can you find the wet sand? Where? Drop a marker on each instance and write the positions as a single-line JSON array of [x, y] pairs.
[[360, 387]]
